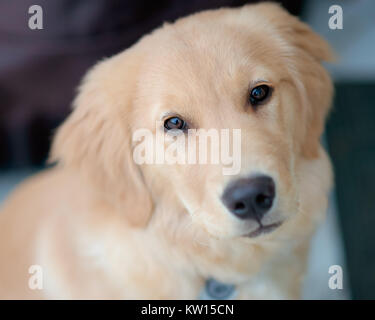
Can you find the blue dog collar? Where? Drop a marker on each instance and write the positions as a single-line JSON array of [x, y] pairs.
[[215, 290]]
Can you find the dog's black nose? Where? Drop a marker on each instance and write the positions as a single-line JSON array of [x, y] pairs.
[[250, 198]]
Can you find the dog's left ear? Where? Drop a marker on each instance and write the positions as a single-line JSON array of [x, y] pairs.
[[313, 82], [96, 138], [303, 51]]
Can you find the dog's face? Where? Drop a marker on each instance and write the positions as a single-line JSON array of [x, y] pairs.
[[255, 69]]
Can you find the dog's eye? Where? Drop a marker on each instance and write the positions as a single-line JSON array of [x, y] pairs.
[[174, 123], [259, 94]]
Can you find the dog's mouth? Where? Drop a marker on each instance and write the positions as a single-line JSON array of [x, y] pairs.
[[264, 229]]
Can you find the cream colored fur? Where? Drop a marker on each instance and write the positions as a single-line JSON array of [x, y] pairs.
[[103, 227]]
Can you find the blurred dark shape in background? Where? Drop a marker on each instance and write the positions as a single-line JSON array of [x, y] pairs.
[[351, 142], [40, 69]]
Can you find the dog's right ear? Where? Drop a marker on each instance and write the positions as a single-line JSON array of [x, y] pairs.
[[96, 137]]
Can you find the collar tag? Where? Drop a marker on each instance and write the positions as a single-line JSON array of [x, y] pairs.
[[215, 290]]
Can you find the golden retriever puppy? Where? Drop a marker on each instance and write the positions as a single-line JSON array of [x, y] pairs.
[[101, 225]]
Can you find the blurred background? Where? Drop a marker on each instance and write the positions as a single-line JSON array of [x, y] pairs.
[[40, 70]]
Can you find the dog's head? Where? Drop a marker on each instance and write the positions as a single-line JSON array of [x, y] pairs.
[[256, 69]]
